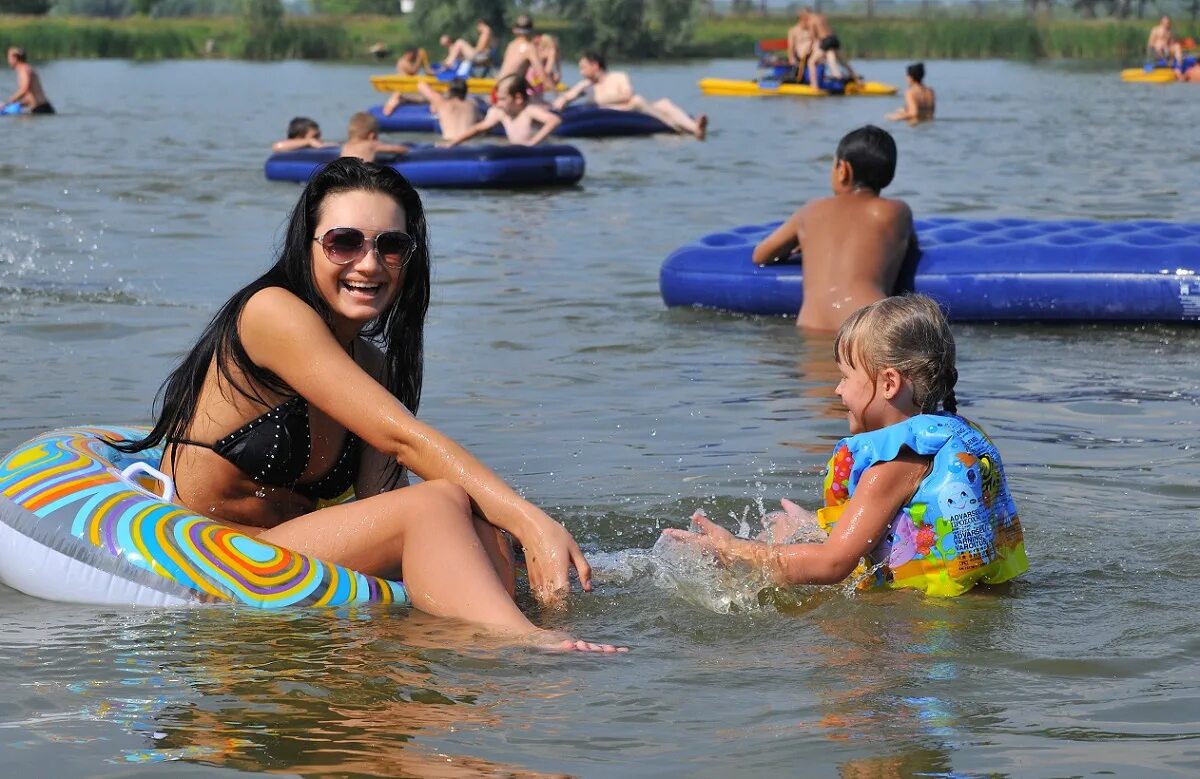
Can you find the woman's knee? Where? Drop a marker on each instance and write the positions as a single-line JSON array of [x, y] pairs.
[[446, 496]]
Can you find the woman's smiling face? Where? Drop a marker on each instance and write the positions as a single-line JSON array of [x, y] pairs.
[[362, 289]]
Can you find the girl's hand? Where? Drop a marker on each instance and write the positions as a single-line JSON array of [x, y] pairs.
[[709, 537], [779, 526], [550, 553]]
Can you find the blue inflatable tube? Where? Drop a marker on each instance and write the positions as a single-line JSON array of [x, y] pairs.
[[579, 121], [978, 270], [460, 167]]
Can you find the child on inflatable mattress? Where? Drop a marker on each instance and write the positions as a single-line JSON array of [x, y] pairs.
[[854, 244], [915, 497], [362, 139]]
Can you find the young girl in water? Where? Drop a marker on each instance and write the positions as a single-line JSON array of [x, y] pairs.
[[305, 385], [919, 493]]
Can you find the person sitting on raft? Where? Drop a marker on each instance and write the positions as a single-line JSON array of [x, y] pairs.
[[302, 133], [800, 45], [854, 244], [517, 113], [523, 58], [459, 51], [829, 51], [613, 89], [919, 100], [916, 490], [1158, 44], [29, 94], [362, 139], [306, 384], [411, 63]]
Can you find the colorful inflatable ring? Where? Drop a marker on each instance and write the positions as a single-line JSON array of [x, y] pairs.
[[81, 521]]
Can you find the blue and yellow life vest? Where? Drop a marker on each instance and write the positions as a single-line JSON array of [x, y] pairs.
[[959, 528]]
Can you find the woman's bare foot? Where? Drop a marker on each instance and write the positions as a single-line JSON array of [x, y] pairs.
[[701, 126]]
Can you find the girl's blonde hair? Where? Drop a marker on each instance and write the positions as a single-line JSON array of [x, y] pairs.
[[909, 333]]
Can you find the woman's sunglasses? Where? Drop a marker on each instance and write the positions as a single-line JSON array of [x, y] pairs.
[[344, 245]]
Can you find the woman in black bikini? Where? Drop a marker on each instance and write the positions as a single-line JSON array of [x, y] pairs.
[[305, 384]]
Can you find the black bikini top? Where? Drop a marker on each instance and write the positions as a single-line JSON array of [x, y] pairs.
[[274, 449]]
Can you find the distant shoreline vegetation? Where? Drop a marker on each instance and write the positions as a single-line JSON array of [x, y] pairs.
[[348, 38]]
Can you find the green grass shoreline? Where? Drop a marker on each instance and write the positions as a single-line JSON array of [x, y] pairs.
[[347, 38]]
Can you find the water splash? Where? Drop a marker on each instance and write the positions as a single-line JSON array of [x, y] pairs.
[[702, 581]]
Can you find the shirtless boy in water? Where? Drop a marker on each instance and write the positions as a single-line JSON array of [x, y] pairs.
[[302, 133], [362, 139], [454, 111], [516, 113], [854, 243], [612, 89]]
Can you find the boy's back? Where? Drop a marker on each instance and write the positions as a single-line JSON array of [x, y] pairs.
[[853, 244], [853, 247]]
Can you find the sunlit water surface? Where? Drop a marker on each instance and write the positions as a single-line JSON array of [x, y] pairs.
[[131, 216]]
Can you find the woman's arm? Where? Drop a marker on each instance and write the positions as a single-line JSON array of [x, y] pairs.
[[880, 494], [285, 335]]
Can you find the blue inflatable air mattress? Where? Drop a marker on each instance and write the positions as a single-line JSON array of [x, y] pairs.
[[579, 121], [979, 270], [460, 167]]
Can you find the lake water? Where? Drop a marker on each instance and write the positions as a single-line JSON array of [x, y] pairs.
[[130, 217]]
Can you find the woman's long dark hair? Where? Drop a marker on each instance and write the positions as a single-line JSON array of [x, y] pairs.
[[399, 329]]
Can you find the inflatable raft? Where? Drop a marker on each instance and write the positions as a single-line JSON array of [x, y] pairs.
[[460, 167], [1148, 76], [979, 270], [770, 88], [581, 121], [396, 82], [81, 521]]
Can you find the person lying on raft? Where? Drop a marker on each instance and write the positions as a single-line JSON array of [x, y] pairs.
[[853, 244], [915, 490], [306, 384], [919, 100], [29, 94], [362, 139], [302, 133], [613, 89], [1189, 74], [517, 113]]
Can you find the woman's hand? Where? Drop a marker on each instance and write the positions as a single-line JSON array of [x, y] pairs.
[[550, 553]]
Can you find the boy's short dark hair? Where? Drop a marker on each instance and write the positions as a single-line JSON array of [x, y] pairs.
[[457, 89], [591, 55], [300, 127], [871, 153]]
